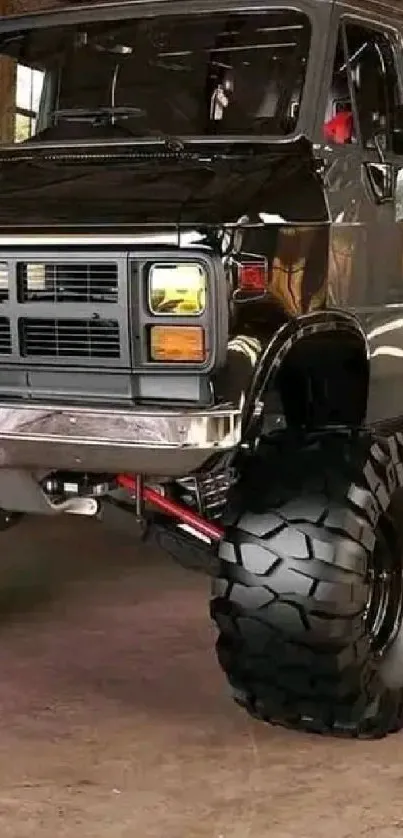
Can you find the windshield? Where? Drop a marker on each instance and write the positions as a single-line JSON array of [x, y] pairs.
[[217, 74]]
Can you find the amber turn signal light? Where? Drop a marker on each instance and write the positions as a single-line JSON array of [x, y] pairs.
[[177, 344]]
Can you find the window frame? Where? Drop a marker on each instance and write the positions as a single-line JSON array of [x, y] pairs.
[[341, 19], [318, 15]]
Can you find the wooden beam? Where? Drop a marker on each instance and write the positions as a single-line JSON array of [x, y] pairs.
[[7, 98], [7, 88]]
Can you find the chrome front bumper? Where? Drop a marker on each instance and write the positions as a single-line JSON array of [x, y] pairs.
[[151, 442]]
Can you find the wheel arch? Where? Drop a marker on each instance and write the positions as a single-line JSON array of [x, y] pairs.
[[316, 369]]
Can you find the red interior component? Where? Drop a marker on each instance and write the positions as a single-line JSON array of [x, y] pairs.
[[340, 128], [174, 510]]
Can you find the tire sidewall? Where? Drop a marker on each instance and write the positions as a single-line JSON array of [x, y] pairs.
[[377, 476]]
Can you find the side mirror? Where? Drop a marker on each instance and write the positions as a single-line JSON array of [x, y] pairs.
[[397, 137]]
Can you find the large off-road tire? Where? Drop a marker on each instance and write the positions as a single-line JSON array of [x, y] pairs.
[[308, 600]]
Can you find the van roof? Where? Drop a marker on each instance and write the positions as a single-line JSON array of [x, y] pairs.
[[84, 11], [387, 11]]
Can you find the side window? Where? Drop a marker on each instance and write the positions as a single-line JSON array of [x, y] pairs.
[[364, 92], [29, 83]]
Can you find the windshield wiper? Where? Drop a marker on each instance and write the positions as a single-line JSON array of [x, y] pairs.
[[98, 114]]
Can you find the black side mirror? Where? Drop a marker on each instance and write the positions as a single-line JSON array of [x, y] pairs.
[[397, 135]]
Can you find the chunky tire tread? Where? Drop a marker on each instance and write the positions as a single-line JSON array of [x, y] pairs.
[[290, 598]]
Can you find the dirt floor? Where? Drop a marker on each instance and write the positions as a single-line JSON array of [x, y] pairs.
[[115, 720]]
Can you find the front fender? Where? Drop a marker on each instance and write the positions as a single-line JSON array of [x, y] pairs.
[[312, 357], [384, 332]]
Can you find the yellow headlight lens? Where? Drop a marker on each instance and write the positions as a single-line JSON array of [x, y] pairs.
[[177, 289]]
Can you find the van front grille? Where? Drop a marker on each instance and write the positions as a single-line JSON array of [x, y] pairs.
[[5, 336], [67, 282], [75, 339]]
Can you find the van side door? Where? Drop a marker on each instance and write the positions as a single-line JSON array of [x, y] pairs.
[[363, 176]]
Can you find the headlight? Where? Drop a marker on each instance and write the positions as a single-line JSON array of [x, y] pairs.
[[177, 289]]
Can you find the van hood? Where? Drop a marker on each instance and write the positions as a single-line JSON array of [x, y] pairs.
[[153, 185]]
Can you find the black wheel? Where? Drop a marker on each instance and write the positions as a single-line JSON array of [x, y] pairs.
[[308, 599]]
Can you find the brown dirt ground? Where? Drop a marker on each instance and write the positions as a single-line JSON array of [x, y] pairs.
[[115, 720]]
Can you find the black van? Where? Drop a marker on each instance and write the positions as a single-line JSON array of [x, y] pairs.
[[201, 319]]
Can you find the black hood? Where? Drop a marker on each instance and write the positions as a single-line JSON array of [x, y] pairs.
[[147, 185]]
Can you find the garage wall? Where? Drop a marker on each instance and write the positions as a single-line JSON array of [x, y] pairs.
[[16, 7], [7, 67], [7, 87]]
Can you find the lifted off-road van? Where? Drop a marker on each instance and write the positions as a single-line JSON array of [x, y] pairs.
[[201, 319]]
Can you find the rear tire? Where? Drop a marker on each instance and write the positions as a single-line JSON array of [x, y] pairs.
[[308, 599]]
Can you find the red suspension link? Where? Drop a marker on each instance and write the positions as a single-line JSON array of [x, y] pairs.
[[174, 510]]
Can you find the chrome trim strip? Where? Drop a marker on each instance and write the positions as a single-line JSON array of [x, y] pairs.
[[50, 240], [153, 442]]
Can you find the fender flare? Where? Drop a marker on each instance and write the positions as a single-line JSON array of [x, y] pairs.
[[285, 339]]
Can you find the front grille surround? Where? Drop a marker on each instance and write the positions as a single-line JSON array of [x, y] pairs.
[[75, 307]]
